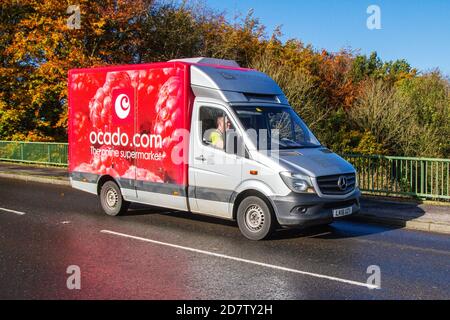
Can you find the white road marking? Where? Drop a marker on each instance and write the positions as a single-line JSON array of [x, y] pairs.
[[319, 235], [13, 211], [218, 255]]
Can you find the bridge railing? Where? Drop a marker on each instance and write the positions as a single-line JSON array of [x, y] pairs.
[[406, 176], [46, 153]]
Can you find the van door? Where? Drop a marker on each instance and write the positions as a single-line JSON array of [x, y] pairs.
[[215, 168]]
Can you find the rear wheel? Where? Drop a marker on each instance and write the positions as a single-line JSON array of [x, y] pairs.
[[111, 199], [255, 218]]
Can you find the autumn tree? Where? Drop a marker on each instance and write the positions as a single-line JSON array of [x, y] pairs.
[[39, 48]]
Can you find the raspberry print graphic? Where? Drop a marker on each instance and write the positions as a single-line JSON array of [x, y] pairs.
[[81, 127], [168, 119], [150, 81], [141, 174], [84, 86], [148, 84], [104, 163], [101, 105], [156, 95], [84, 167], [87, 82], [159, 95]]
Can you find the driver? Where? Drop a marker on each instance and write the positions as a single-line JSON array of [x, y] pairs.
[[217, 136]]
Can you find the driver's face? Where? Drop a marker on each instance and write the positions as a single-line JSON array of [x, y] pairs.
[[223, 122], [220, 123]]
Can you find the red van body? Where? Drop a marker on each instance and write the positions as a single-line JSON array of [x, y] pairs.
[[127, 121]]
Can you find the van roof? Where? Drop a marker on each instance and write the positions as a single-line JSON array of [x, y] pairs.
[[120, 67]]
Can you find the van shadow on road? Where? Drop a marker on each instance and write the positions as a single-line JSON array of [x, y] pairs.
[[141, 210], [392, 215], [342, 228]]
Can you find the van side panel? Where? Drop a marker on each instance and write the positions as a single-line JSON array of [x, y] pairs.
[[131, 123]]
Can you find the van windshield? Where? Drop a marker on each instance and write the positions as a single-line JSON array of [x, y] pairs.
[[276, 128]]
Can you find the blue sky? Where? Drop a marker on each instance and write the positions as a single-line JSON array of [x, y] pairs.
[[416, 30]]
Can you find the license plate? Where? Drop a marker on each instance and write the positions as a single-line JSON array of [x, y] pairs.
[[342, 212]]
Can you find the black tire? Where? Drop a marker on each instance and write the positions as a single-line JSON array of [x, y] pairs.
[[111, 199], [255, 218]]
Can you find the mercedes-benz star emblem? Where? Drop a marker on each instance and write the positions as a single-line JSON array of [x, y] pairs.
[[342, 183]]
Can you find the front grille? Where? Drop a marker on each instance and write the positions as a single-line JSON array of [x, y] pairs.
[[340, 204], [329, 184]]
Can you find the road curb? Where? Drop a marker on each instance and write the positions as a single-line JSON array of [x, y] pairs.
[[428, 226], [384, 199], [29, 178]]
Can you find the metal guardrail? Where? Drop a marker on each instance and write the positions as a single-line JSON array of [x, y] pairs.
[[46, 153], [381, 175], [405, 176]]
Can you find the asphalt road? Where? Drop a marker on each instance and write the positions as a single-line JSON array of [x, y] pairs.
[[155, 254]]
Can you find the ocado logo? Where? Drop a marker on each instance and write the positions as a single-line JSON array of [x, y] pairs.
[[122, 106]]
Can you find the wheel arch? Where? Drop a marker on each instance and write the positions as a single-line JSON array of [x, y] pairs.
[[251, 187], [251, 192], [103, 179]]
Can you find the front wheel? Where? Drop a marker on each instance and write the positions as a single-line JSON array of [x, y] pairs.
[[255, 218], [111, 199]]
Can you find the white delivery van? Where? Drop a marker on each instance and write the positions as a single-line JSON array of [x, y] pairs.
[[202, 135]]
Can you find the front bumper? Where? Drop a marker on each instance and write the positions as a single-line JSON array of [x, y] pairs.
[[305, 210]]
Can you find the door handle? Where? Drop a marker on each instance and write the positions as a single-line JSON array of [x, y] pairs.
[[201, 158]]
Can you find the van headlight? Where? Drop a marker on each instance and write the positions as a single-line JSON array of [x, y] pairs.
[[297, 182]]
